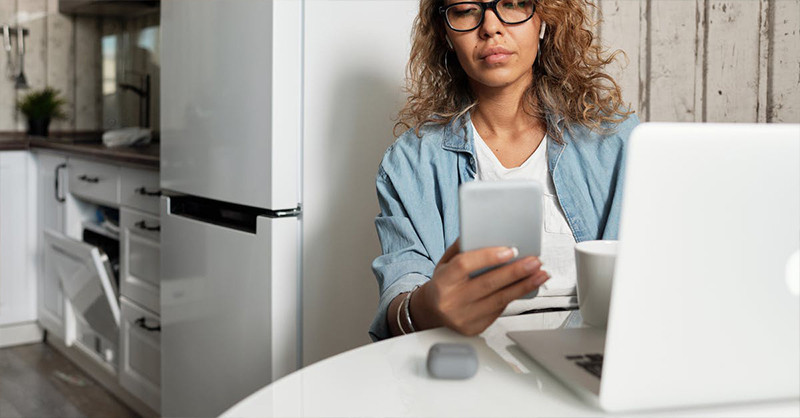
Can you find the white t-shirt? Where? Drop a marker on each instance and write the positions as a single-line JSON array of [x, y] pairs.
[[558, 243]]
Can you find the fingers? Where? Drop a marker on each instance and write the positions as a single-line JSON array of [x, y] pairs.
[[500, 299], [469, 306], [479, 315], [492, 281], [460, 266]]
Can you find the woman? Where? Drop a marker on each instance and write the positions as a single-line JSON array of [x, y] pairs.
[[504, 89]]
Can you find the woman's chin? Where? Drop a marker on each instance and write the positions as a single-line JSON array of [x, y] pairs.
[[500, 78]]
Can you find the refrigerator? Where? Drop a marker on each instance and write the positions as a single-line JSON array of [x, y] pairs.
[[230, 158], [274, 117]]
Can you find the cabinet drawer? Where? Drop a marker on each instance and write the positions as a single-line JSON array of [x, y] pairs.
[[140, 189], [94, 181], [140, 260], [140, 353]]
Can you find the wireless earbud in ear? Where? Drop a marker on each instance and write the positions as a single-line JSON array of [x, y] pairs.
[[541, 32], [449, 42]]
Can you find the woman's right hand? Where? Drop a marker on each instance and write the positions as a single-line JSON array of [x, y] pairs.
[[469, 305]]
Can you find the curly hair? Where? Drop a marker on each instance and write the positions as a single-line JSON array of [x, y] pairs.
[[568, 76]]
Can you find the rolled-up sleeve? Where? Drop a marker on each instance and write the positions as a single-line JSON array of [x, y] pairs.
[[404, 262]]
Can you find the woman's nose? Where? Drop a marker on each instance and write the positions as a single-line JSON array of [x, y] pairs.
[[491, 25]]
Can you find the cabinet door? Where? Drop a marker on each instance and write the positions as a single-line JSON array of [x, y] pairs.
[[140, 353], [141, 258], [52, 175], [87, 281], [17, 287]]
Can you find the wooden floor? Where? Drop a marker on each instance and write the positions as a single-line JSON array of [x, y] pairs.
[[38, 381]]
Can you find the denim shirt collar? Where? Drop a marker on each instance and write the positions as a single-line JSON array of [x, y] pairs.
[[458, 137]]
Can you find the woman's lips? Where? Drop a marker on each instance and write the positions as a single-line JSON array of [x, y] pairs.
[[497, 58], [495, 55]]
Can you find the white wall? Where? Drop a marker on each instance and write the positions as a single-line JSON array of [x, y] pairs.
[[353, 90]]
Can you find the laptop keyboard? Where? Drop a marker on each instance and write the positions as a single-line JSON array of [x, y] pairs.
[[592, 363]]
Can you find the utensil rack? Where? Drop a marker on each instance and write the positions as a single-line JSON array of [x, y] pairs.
[[12, 30], [14, 71]]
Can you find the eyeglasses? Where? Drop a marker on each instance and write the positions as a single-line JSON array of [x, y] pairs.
[[468, 15]]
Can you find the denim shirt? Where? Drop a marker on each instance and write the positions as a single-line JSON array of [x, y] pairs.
[[417, 185]]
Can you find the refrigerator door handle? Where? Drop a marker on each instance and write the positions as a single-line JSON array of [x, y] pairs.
[[286, 213], [224, 214]]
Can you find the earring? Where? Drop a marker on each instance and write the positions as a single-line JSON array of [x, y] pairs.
[[449, 42], [446, 66], [539, 44]]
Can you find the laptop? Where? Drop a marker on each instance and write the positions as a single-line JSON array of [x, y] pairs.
[[704, 304]]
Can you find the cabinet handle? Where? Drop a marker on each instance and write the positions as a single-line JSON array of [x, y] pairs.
[[142, 323], [143, 191], [88, 179], [143, 225], [59, 196]]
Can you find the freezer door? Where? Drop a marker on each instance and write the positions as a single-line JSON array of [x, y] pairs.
[[229, 306], [231, 100], [87, 282]]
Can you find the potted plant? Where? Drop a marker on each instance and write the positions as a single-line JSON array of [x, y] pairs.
[[41, 106]]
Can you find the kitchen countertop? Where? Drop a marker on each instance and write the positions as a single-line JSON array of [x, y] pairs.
[[85, 144]]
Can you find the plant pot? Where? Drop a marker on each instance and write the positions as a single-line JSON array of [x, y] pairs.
[[38, 127]]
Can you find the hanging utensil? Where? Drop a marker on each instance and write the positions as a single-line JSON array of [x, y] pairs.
[[10, 73], [21, 83]]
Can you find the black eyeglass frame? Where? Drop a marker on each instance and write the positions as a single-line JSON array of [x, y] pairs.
[[484, 6]]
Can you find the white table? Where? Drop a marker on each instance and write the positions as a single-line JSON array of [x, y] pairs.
[[389, 378]]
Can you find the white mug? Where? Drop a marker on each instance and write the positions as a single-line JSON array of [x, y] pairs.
[[594, 262]]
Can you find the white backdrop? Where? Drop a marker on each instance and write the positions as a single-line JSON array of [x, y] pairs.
[[355, 56]]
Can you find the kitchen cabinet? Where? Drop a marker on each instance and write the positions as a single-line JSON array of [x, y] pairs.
[[141, 258], [100, 252], [140, 353], [79, 297], [17, 226], [140, 285], [51, 188]]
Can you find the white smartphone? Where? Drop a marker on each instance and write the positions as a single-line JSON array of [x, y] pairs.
[[501, 213]]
